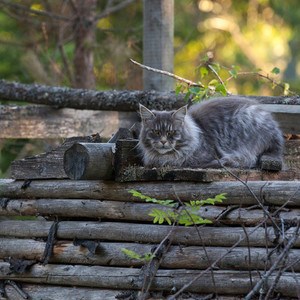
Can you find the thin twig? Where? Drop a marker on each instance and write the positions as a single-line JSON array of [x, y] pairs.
[[113, 9], [267, 77], [198, 233], [219, 78], [259, 284], [188, 82], [253, 194], [43, 13], [213, 265]]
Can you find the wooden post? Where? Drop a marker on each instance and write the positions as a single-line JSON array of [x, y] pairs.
[[158, 43]]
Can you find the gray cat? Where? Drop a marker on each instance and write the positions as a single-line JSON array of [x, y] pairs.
[[232, 132]]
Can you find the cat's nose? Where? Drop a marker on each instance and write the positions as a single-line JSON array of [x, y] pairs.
[[163, 141]]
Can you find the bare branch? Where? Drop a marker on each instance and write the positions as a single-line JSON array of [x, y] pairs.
[[275, 265], [110, 10], [188, 82], [43, 13]]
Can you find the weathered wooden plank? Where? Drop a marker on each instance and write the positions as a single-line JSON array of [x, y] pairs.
[[130, 278], [288, 116], [47, 165], [144, 233], [130, 211], [37, 121], [272, 192], [137, 173], [177, 257]]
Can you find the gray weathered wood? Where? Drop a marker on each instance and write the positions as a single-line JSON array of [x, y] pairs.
[[272, 192], [158, 52], [177, 257], [89, 161], [47, 165], [37, 121], [144, 233], [105, 277], [288, 116], [47, 292], [117, 210]]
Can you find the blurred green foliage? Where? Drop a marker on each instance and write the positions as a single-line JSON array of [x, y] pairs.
[[243, 35]]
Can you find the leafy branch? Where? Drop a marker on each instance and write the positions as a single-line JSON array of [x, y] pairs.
[[188, 216]]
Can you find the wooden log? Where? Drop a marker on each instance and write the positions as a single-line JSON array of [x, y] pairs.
[[130, 278], [177, 257], [89, 161], [40, 122], [105, 100], [272, 192], [144, 233], [47, 292], [130, 211], [47, 165]]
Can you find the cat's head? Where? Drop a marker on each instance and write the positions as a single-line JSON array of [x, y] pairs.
[[162, 131]]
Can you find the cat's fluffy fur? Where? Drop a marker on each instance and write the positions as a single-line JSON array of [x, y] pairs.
[[233, 132]]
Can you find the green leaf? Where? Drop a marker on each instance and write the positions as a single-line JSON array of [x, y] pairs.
[[203, 71], [213, 82], [131, 254], [275, 71], [194, 90], [220, 88], [233, 73], [178, 89]]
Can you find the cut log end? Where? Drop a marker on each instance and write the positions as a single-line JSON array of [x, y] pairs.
[[89, 161]]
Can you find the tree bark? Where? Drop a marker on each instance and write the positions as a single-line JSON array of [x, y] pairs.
[[177, 257], [47, 292], [85, 34], [273, 192], [105, 100], [144, 233], [130, 211], [105, 277]]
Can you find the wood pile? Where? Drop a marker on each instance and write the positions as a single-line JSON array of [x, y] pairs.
[[90, 238], [72, 241]]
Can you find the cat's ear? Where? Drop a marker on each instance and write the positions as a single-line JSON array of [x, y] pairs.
[[145, 113], [180, 113]]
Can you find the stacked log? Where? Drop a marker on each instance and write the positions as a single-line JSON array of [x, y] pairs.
[[73, 239]]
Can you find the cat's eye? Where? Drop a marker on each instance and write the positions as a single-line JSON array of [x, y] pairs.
[[170, 133], [156, 132]]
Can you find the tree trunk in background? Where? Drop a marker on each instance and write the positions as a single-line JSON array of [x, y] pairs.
[[158, 49], [84, 44]]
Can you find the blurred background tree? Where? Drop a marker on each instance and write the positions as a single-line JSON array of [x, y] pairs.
[[88, 44]]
